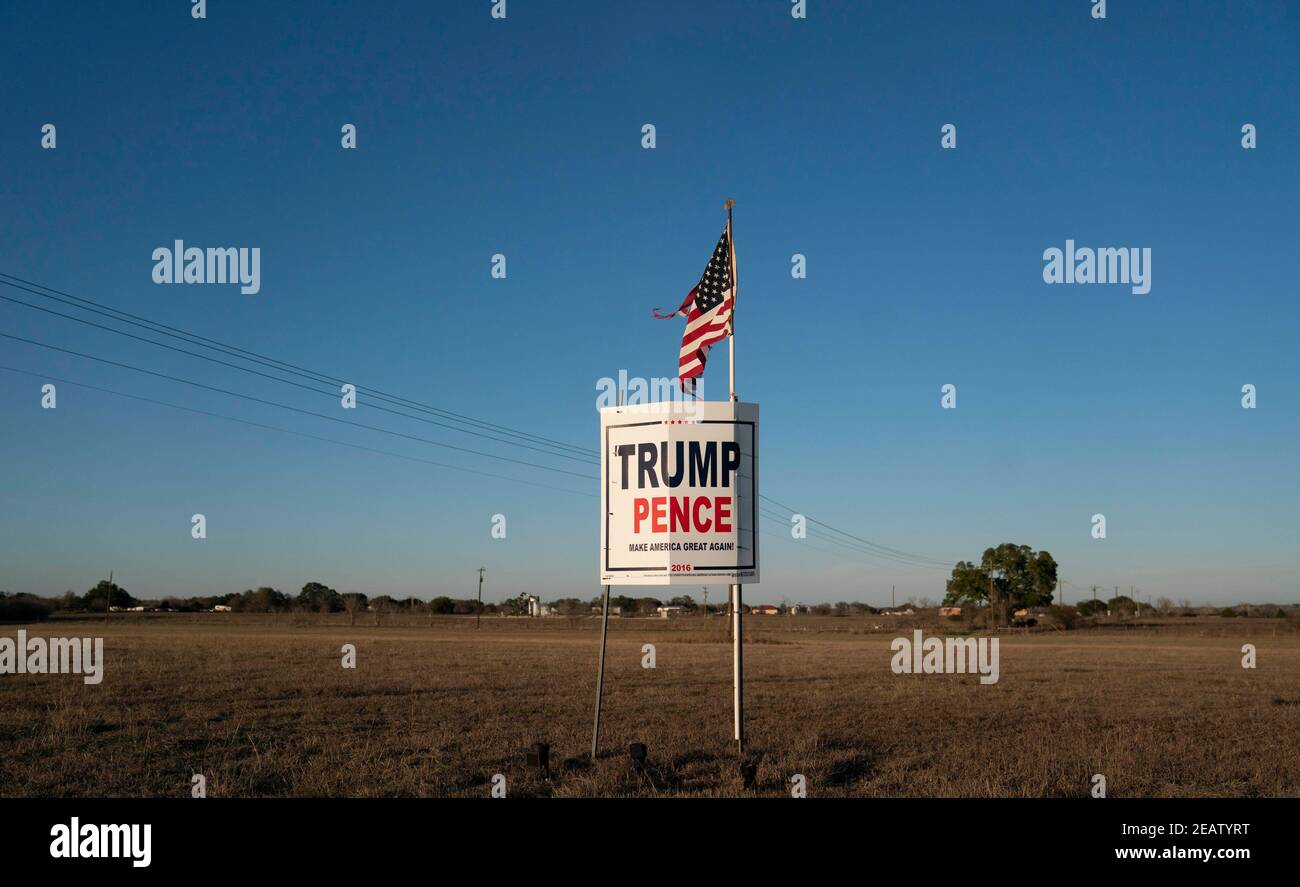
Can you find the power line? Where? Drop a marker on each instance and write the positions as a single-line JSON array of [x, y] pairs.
[[283, 406], [276, 428], [251, 356], [853, 547], [329, 394], [884, 549]]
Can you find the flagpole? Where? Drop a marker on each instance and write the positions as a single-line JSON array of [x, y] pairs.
[[737, 655], [731, 320]]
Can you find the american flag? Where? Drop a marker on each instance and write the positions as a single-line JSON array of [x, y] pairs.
[[707, 310]]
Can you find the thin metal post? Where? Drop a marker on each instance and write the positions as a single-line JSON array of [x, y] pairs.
[[738, 669], [600, 673]]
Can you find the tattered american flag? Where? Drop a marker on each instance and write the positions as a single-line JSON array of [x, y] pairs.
[[707, 310]]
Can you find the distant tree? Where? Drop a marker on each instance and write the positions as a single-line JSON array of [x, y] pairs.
[[107, 594], [354, 602], [317, 597], [1092, 608], [684, 601], [442, 605], [266, 600], [1008, 576], [570, 606], [23, 607], [1122, 605], [515, 606], [969, 585], [1066, 617]]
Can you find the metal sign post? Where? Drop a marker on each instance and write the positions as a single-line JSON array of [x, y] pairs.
[[600, 672]]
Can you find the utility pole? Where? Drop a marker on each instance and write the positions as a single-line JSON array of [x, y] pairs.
[[478, 613], [892, 605], [1094, 594], [706, 602], [1058, 591]]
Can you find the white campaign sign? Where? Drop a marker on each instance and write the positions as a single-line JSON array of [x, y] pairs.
[[679, 494]]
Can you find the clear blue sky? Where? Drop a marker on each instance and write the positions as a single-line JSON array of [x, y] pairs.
[[523, 137]]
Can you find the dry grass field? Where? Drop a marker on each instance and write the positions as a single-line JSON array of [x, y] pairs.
[[262, 707]]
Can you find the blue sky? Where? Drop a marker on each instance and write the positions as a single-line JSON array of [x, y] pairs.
[[523, 137]]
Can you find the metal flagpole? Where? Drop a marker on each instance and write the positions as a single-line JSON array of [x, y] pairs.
[[737, 655]]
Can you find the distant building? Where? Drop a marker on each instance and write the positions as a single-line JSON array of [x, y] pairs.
[[221, 608], [765, 610], [950, 611], [669, 610]]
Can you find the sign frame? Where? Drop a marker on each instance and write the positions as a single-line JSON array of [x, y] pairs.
[[744, 568]]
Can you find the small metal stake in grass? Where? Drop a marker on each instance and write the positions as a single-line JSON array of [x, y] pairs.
[[638, 752], [540, 757], [749, 773]]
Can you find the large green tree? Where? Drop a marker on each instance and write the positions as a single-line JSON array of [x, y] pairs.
[[319, 597], [107, 594], [1008, 576]]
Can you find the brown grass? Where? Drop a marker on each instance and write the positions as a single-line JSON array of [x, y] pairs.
[[261, 706]]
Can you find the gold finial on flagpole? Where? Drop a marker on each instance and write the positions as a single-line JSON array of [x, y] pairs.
[[730, 203]]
